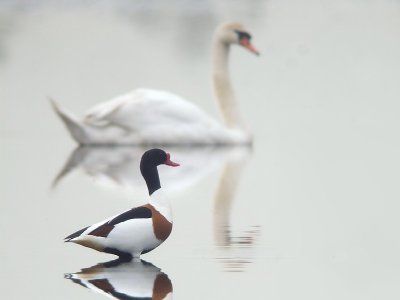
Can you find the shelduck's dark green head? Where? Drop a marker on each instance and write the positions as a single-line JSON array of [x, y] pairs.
[[148, 167]]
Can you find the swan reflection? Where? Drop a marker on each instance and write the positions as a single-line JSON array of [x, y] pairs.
[[117, 167], [118, 279], [235, 251]]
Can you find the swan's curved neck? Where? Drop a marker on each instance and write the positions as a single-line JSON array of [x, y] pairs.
[[222, 86]]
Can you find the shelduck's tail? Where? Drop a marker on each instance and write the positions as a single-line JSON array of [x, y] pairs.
[[75, 127]]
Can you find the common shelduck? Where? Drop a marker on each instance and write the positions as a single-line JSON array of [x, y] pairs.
[[149, 117], [140, 229], [118, 279]]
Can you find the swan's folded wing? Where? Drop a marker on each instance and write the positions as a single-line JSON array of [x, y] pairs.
[[101, 113], [156, 117], [132, 102], [166, 110], [143, 107]]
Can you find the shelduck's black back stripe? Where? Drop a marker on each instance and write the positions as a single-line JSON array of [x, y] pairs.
[[140, 212], [76, 234], [102, 230], [135, 213]]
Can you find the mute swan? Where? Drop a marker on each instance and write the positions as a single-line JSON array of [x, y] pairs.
[[150, 117]]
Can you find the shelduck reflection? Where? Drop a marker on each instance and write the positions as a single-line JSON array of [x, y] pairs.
[[118, 279]]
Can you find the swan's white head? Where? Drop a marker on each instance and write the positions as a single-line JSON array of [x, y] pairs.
[[235, 33]]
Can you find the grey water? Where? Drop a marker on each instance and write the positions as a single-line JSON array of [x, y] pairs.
[[311, 211]]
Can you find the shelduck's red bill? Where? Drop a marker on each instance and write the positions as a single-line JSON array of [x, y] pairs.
[[169, 162], [246, 43]]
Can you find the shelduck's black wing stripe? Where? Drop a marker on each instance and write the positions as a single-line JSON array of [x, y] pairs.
[[76, 234], [135, 213], [140, 212], [102, 230]]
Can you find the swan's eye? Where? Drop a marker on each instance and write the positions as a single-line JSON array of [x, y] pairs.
[[243, 35]]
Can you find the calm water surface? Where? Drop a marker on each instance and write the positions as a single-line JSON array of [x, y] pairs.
[[310, 212]]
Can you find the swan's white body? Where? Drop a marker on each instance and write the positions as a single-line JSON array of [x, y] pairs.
[[153, 117], [146, 116]]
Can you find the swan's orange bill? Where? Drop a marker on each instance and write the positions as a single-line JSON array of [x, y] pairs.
[[169, 162], [246, 43]]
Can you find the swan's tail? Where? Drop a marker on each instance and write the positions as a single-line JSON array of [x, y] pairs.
[[74, 161], [75, 127]]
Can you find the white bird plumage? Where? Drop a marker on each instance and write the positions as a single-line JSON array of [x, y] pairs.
[[140, 229], [131, 237], [150, 117]]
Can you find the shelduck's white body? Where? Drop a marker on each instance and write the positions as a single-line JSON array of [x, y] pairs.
[[153, 117], [140, 229], [133, 236]]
